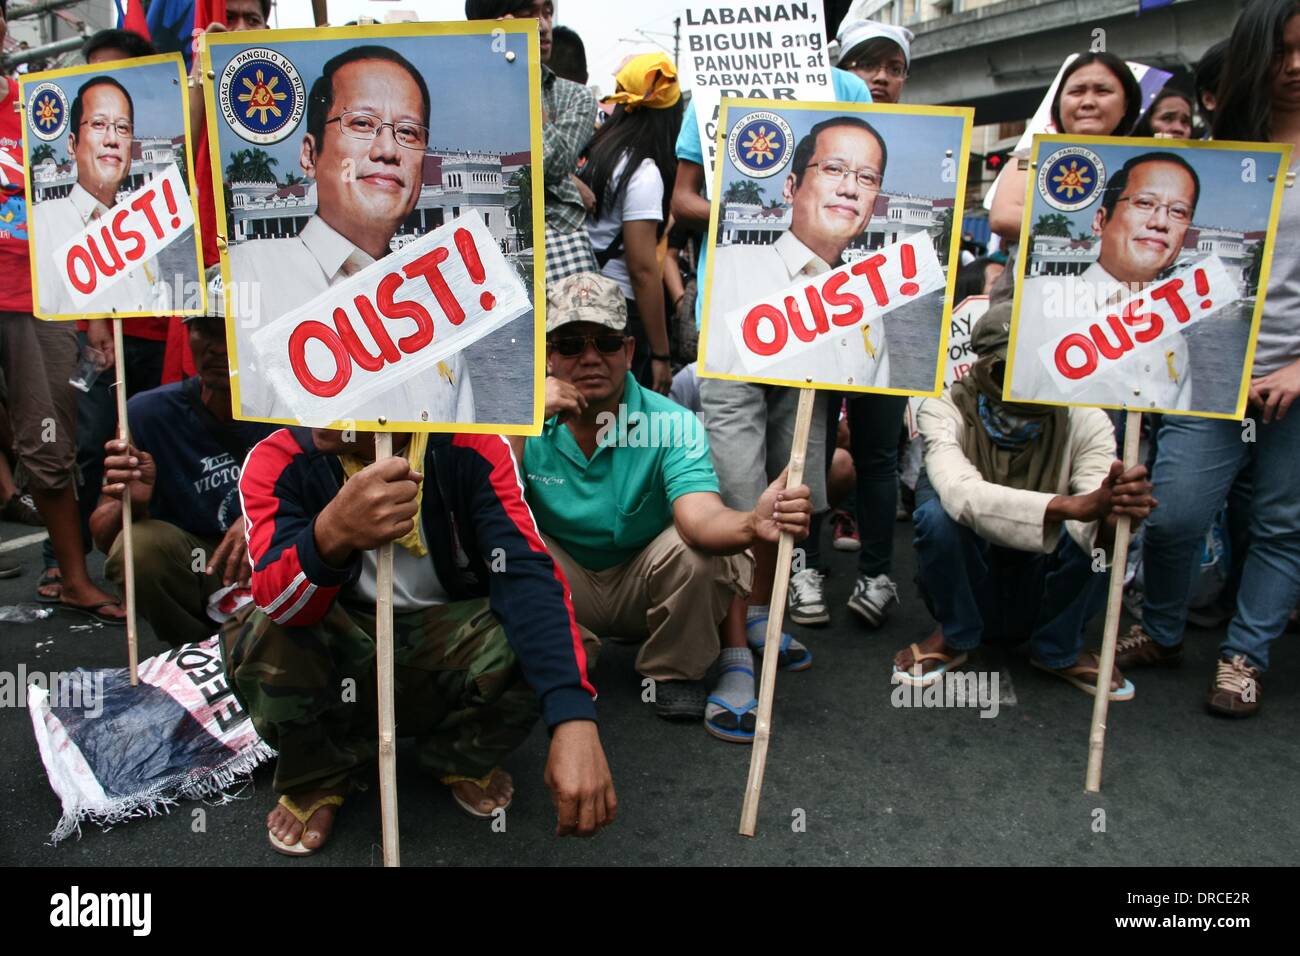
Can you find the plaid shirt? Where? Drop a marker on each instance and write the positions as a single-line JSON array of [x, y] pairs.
[[567, 126]]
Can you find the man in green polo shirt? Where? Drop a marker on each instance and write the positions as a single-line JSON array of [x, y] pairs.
[[623, 488]]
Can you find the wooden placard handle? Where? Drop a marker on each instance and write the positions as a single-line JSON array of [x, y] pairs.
[[1114, 606], [775, 619], [128, 536], [384, 668]]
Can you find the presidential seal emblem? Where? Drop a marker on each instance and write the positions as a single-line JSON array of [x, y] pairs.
[[261, 95], [47, 111], [760, 145], [1071, 179]]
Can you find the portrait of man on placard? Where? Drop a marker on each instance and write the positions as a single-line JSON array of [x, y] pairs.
[[809, 190], [96, 136], [360, 160], [1117, 293]]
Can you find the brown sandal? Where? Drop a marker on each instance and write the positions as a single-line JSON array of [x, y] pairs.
[[917, 676], [1084, 677]]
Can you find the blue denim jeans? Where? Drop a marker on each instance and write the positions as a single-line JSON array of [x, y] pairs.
[[874, 425], [1197, 463], [973, 587]]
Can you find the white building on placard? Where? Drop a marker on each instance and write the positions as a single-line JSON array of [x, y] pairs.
[[451, 182], [894, 218], [1062, 256], [149, 156]]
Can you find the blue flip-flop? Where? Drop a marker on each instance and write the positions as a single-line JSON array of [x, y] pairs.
[[783, 656], [737, 734]]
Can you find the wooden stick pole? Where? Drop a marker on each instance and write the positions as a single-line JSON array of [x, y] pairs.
[[775, 619], [128, 536], [384, 665], [1114, 605]]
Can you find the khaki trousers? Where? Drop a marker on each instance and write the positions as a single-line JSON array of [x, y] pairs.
[[670, 595]]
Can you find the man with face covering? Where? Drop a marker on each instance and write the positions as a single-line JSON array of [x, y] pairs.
[[100, 136], [1011, 504], [367, 131], [1144, 215]]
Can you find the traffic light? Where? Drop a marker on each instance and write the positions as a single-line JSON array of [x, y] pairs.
[[994, 162]]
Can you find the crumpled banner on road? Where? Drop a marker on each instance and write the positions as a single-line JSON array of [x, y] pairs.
[[114, 752]]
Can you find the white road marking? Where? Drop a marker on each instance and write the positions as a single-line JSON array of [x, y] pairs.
[[25, 541]]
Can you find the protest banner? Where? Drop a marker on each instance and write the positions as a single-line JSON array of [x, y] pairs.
[[111, 189], [390, 287], [316, 360], [877, 323], [1149, 78], [959, 356], [797, 187], [1140, 287], [386, 272], [773, 51], [1138, 284]]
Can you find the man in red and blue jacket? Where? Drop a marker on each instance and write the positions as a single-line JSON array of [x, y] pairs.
[[484, 634]]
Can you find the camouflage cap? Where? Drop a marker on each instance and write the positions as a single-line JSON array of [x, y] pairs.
[[586, 297], [992, 332]]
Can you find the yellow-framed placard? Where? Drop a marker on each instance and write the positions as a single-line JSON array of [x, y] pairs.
[[482, 154], [144, 216], [924, 151], [1142, 271]]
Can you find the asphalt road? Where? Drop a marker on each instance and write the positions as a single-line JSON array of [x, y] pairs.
[[876, 784]]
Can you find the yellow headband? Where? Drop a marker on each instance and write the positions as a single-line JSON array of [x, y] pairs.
[[647, 80]]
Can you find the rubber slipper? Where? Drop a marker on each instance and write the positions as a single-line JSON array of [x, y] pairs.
[[92, 610], [737, 734], [46, 580], [480, 782], [302, 816], [1125, 691], [785, 659], [946, 661]]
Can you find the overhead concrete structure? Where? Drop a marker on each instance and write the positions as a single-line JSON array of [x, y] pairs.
[[1001, 57]]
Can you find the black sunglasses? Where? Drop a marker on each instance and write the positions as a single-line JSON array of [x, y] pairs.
[[572, 345]]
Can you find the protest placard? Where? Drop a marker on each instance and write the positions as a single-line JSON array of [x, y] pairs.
[[388, 288], [773, 51], [829, 246], [1149, 78], [803, 186], [110, 181], [381, 262], [1140, 286], [335, 354], [1140, 280]]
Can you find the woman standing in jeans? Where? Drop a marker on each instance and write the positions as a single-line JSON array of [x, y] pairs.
[[1199, 458], [630, 168]]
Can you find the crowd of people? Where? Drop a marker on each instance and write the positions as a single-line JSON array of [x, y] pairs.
[[515, 558]]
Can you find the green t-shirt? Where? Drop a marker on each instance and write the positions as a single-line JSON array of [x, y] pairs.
[[604, 510]]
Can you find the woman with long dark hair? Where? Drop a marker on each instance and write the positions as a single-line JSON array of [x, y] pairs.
[[1198, 459], [1097, 96], [630, 167], [1170, 115]]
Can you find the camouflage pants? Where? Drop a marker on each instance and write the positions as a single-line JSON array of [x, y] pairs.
[[311, 691]]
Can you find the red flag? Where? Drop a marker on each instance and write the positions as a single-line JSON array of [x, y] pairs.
[[209, 11], [206, 12], [130, 16], [178, 363]]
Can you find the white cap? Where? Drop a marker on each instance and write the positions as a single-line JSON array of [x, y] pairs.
[[853, 33]]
